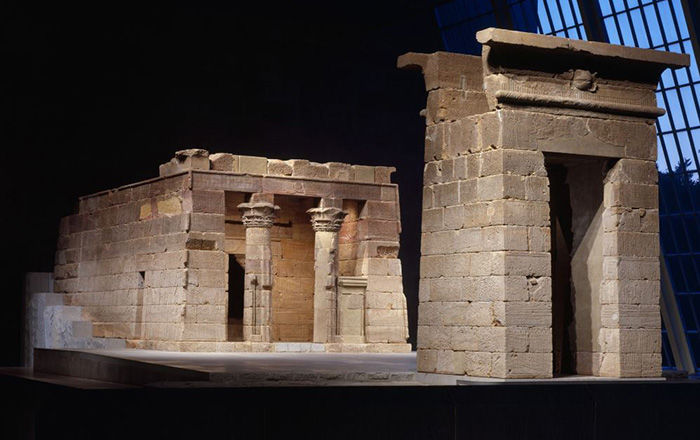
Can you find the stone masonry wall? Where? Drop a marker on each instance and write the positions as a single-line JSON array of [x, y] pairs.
[[293, 269], [369, 247], [378, 229], [123, 257], [149, 261], [485, 290], [485, 306], [206, 311]]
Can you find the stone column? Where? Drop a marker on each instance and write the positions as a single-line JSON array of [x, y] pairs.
[[326, 221], [258, 217]]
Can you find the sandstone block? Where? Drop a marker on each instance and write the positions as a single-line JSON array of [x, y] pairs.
[[384, 317], [446, 194], [463, 338], [304, 168], [461, 137], [363, 173], [389, 193], [454, 217], [631, 195], [433, 266], [432, 220], [631, 268], [634, 171], [478, 364], [432, 173], [376, 333], [204, 332], [207, 278], [468, 191], [505, 238], [518, 162], [185, 160], [339, 171], [445, 69], [539, 239], [224, 162], [428, 200], [383, 174], [528, 314], [435, 143], [252, 164], [379, 210], [276, 167], [450, 362], [201, 222], [211, 202], [451, 104], [426, 360], [631, 244], [529, 365], [216, 260]]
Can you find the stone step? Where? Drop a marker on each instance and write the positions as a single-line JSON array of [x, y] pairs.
[[94, 343], [66, 313], [81, 329], [107, 368]]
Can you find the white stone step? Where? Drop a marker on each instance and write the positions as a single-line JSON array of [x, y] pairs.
[[95, 343], [81, 329], [65, 313]]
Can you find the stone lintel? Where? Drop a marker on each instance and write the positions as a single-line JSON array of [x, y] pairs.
[[295, 186], [536, 51], [564, 76]]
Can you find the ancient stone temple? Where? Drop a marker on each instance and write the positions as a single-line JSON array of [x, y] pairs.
[[238, 253], [540, 246]]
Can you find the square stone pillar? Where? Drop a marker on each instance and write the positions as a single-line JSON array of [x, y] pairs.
[[258, 217], [494, 124], [630, 334], [326, 220]]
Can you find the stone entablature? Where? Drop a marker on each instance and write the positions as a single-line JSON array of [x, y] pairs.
[[199, 159], [148, 262], [535, 127]]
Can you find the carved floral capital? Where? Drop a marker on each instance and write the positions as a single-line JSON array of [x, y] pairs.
[[327, 219], [258, 214]]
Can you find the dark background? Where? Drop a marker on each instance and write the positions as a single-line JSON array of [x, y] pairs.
[[98, 95]]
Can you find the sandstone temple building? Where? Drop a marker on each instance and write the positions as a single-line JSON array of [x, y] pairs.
[[540, 227], [539, 245], [225, 252]]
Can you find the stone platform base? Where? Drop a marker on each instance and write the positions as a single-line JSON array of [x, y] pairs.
[[170, 369], [451, 379], [266, 347]]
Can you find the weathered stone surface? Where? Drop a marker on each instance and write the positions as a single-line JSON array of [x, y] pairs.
[[185, 160], [149, 261], [496, 143], [224, 162], [445, 70], [278, 167], [252, 164]]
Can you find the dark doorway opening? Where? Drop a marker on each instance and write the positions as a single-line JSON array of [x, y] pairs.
[[563, 328], [236, 284]]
